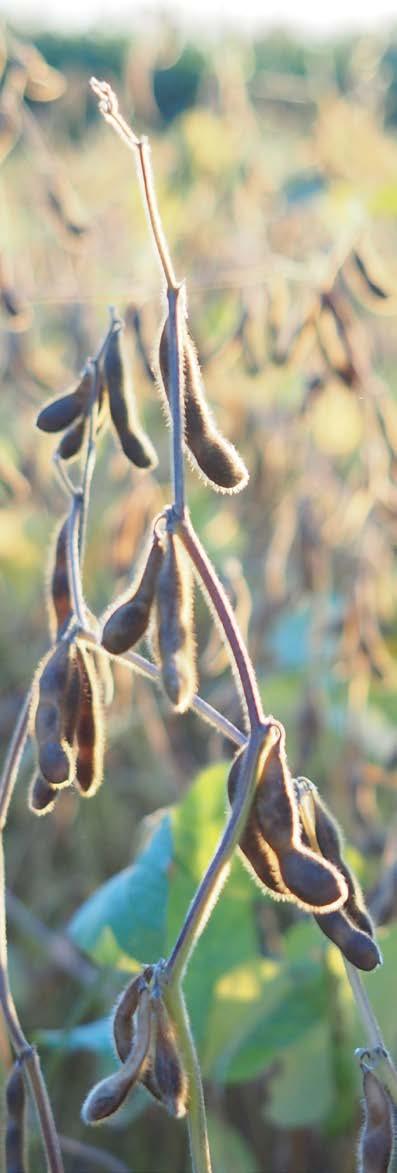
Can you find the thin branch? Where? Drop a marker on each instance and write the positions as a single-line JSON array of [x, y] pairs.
[[13, 759], [152, 672], [217, 872], [76, 590], [177, 398], [23, 1049], [229, 627]]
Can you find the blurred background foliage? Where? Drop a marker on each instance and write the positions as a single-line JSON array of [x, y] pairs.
[[276, 165]]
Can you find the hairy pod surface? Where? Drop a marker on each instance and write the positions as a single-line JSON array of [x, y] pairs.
[[170, 1078], [175, 631], [49, 715], [59, 597], [129, 620], [108, 1095], [42, 796], [216, 457], [376, 1141], [135, 444], [329, 839], [89, 726], [126, 1006], [15, 1125], [358, 947]]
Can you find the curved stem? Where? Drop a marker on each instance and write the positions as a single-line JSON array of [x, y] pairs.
[[217, 872], [76, 590], [197, 1123], [229, 627]]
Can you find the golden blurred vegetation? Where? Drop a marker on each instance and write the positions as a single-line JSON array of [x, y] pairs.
[[276, 171]]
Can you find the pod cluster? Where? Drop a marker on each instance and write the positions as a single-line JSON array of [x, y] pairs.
[[66, 714], [376, 1145], [109, 383], [146, 1043], [292, 864], [161, 595], [217, 459]]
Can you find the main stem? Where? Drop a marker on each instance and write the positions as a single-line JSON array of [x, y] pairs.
[[197, 1124]]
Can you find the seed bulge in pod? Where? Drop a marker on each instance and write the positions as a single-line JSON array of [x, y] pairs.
[[129, 621], [72, 441], [275, 802], [58, 595], [123, 1026], [329, 840], [15, 1125], [376, 1142], [89, 727], [358, 947], [216, 457], [169, 1074], [48, 713], [175, 632], [42, 796], [108, 1095], [261, 860], [134, 442], [59, 414]]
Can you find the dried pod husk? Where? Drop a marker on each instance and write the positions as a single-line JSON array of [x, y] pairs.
[[129, 620], [329, 840], [357, 946], [43, 82], [108, 1095], [334, 339], [42, 796], [368, 280], [297, 872], [169, 1076], [89, 727], [216, 457], [377, 1138], [126, 1006], [15, 1125], [74, 233], [48, 715], [58, 594], [73, 439], [174, 642], [60, 413], [135, 444]]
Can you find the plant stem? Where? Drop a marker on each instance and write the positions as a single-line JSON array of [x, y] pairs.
[[13, 758], [22, 1048], [227, 620], [197, 1124], [152, 672], [364, 1007], [76, 590], [200, 909]]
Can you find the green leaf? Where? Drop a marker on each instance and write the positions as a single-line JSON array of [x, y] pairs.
[[125, 919], [302, 1094], [95, 1037]]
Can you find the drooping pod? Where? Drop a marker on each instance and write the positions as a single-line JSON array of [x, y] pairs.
[[216, 457], [129, 620], [42, 796], [169, 1078], [135, 444], [108, 1095], [357, 946], [58, 595], [15, 1125], [294, 870], [89, 726], [123, 1025], [173, 641], [49, 715], [73, 439], [328, 837], [376, 1144], [65, 410], [333, 333]]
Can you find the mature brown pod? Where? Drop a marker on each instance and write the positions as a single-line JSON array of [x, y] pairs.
[[134, 442], [128, 622], [329, 840], [15, 1126], [126, 1006], [108, 1095], [217, 458], [48, 715], [60, 413], [42, 796], [169, 1075], [89, 727], [72, 441], [175, 632], [58, 595], [260, 857], [357, 946], [376, 1144]]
